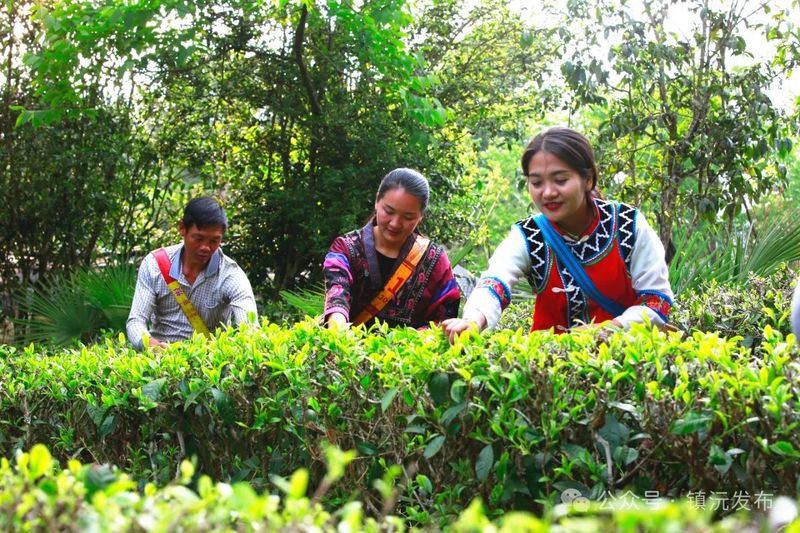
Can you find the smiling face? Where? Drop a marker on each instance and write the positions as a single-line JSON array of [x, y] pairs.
[[559, 192], [200, 244], [397, 214]]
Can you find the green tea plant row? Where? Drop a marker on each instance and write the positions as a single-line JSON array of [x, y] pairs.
[[37, 495], [516, 419]]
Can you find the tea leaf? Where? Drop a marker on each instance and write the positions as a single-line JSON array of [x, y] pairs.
[[223, 405], [626, 455], [783, 447], [386, 401], [451, 413], [457, 390], [40, 461], [439, 388], [424, 483], [614, 432], [690, 423], [484, 463], [719, 459], [298, 484], [108, 425], [433, 446], [366, 448], [628, 408], [152, 390]]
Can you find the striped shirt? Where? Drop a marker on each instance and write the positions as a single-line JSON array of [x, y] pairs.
[[221, 294]]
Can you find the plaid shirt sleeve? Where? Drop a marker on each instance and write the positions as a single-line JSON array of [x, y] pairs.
[[242, 300], [144, 302]]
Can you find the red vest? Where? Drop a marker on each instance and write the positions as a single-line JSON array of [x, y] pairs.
[[605, 256]]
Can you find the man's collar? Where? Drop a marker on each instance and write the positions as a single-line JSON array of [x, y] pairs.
[[211, 268]]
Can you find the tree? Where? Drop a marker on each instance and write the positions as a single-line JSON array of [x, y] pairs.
[[494, 73], [494, 69], [57, 185], [291, 110], [684, 116]]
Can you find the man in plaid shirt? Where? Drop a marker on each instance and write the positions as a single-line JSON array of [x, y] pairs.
[[215, 285]]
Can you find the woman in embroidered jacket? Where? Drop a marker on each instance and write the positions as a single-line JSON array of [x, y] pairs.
[[360, 263], [617, 248]]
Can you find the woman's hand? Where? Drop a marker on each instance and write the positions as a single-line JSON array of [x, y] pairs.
[[336, 320], [453, 327], [603, 330]]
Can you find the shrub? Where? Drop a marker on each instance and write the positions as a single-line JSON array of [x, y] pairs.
[[38, 495], [739, 309], [517, 315], [511, 418]]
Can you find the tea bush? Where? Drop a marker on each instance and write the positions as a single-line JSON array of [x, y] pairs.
[[36, 494], [517, 315], [512, 418], [733, 309]]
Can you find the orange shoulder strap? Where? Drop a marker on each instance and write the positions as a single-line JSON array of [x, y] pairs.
[[396, 282]]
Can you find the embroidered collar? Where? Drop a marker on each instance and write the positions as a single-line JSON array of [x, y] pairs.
[[372, 256], [587, 232]]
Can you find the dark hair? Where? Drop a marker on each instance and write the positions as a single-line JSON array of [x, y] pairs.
[[202, 212], [569, 146], [410, 180]]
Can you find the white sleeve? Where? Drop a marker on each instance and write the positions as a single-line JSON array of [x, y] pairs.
[[492, 294], [649, 274]]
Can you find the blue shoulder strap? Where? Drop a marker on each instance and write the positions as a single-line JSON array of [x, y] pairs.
[[556, 242]]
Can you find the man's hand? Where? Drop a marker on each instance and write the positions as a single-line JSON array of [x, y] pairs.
[[156, 344]]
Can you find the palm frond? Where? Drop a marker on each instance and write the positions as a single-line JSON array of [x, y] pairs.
[[458, 255], [778, 243], [58, 314], [110, 290], [65, 309], [698, 257], [310, 302], [706, 253]]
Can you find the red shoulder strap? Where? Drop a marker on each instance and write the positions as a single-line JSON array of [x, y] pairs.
[[164, 264]]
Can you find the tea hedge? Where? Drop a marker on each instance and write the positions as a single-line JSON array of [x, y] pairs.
[[37, 495], [743, 310], [512, 418]]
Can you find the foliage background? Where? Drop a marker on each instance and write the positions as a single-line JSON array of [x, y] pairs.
[[113, 114]]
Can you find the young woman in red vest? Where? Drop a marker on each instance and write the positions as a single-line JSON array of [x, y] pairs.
[[611, 241]]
